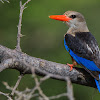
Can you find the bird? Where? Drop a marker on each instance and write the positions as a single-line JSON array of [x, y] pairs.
[[81, 44]]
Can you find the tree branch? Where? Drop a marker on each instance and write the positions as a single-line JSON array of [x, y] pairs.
[[6, 95], [16, 85], [19, 35], [4, 0], [24, 63]]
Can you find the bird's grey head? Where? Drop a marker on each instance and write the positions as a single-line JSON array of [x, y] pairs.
[[74, 20]]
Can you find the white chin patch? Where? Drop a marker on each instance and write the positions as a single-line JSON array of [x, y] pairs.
[[70, 23]]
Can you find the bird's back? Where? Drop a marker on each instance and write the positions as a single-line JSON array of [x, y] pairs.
[[84, 45]]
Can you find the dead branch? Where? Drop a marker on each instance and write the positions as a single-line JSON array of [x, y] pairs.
[[18, 60], [16, 85], [70, 94], [58, 96], [19, 35], [4, 0], [37, 83], [6, 95]]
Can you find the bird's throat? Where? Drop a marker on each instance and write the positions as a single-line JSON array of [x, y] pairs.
[[73, 30]]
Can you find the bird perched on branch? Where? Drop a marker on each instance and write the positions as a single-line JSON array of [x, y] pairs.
[[81, 44]]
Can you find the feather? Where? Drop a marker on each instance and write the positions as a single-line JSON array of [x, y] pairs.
[[98, 83], [89, 66]]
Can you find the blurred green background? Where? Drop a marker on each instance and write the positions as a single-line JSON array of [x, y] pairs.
[[44, 39]]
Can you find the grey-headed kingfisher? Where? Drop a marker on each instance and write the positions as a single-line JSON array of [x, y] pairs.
[[81, 44]]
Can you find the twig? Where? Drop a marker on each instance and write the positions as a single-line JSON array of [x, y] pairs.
[[7, 86], [6, 95], [19, 35], [45, 78], [19, 94], [38, 85], [16, 85], [26, 3], [58, 96], [69, 89], [4, 0]]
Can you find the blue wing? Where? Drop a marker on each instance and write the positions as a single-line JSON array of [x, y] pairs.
[[87, 63], [98, 83]]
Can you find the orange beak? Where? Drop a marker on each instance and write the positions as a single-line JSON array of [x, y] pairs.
[[60, 17]]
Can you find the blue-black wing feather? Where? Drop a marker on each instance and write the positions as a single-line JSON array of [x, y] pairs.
[[85, 51], [84, 45]]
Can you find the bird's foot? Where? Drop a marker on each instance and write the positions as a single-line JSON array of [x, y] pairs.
[[71, 66]]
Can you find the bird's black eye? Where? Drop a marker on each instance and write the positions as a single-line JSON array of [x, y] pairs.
[[73, 16]]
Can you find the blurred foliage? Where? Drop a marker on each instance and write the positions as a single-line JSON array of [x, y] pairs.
[[44, 39]]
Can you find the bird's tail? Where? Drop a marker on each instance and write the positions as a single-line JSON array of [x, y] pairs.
[[98, 83]]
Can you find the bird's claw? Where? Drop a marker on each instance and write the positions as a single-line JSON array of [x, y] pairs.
[[71, 66]]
